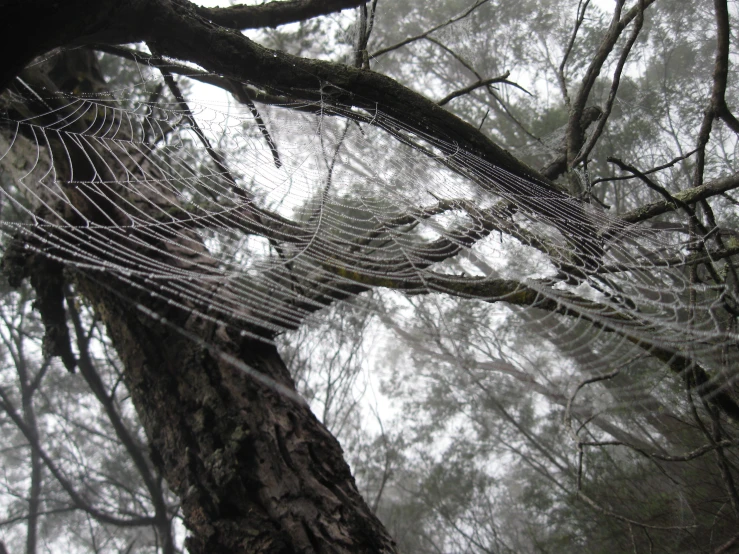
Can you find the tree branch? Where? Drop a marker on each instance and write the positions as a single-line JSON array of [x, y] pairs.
[[273, 14], [176, 30], [133, 448], [575, 133], [183, 105], [76, 498], [427, 33], [481, 83], [647, 172], [519, 294], [687, 196], [593, 139], [651, 184], [717, 104], [581, 9]]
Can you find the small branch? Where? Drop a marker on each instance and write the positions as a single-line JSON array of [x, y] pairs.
[[452, 53], [697, 453], [17, 519], [491, 91], [692, 381], [427, 33], [568, 408], [581, 444], [238, 90], [648, 172], [614, 515], [728, 545], [694, 221], [76, 498], [651, 184], [678, 261], [242, 95], [482, 83], [177, 93]]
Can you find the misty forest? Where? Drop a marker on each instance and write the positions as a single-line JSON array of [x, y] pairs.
[[364, 276]]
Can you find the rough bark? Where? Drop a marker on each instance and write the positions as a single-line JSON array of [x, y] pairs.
[[255, 470]]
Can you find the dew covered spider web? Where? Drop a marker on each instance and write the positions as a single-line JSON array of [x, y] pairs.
[[258, 216]]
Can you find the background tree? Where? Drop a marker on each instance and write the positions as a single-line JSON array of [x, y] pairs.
[[497, 279], [91, 485]]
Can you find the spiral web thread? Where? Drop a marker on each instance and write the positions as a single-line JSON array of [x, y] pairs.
[[332, 206]]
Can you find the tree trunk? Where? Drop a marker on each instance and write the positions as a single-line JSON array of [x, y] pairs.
[[256, 471]]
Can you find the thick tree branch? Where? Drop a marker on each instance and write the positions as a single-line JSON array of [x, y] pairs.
[[176, 30], [687, 196], [575, 134], [593, 138], [238, 90], [717, 105], [651, 184], [274, 14]]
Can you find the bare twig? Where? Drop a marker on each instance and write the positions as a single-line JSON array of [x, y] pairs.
[[647, 172], [652, 184], [177, 93], [614, 515], [568, 408], [728, 545], [238, 90], [242, 95], [75, 496], [697, 453], [427, 33], [491, 91], [687, 196], [481, 83]]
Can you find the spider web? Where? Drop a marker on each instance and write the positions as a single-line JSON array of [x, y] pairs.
[[316, 203]]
